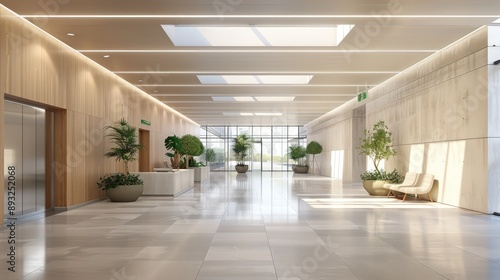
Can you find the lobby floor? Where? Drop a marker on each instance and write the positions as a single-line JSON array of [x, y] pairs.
[[258, 226]]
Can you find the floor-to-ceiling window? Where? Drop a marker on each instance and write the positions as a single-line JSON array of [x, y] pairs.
[[270, 146]]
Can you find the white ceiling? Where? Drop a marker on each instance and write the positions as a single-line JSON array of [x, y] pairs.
[[376, 49]]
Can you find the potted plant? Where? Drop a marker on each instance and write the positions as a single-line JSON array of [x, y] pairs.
[[242, 143], [377, 145], [210, 156], [173, 144], [314, 148], [191, 146], [298, 154], [122, 187]]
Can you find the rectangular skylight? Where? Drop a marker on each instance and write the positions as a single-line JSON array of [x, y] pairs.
[[232, 98], [255, 79], [256, 36], [497, 21], [275, 98]]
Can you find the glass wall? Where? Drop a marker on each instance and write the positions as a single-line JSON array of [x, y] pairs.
[[269, 152]]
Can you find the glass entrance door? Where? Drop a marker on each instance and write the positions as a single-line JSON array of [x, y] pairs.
[[257, 155]]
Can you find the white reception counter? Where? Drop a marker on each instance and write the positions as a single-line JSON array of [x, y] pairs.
[[167, 183]]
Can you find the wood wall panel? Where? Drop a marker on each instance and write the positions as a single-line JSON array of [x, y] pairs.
[[2, 192], [85, 98], [60, 166]]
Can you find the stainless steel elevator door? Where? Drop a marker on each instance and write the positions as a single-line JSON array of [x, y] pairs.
[[24, 139]]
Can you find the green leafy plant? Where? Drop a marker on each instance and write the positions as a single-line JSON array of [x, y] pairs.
[[110, 181], [210, 155], [241, 144], [173, 145], [393, 176], [194, 163], [298, 154], [125, 138], [314, 148], [191, 146], [377, 144]]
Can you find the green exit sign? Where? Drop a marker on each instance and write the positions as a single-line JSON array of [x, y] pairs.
[[361, 96], [145, 122]]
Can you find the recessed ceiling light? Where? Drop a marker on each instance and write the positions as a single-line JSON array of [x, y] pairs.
[[70, 34], [140, 81], [246, 36], [106, 56], [255, 79], [275, 98], [246, 114]]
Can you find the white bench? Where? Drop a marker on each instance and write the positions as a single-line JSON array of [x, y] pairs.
[[410, 180], [417, 183]]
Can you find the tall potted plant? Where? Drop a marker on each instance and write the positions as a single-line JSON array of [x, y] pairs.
[[298, 154], [241, 144], [191, 146], [377, 145], [174, 148], [210, 156], [122, 187], [314, 148]]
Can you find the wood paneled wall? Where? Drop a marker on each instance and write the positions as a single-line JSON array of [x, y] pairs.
[[84, 97], [2, 126]]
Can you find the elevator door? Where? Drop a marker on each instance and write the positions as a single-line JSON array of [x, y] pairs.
[[24, 150]]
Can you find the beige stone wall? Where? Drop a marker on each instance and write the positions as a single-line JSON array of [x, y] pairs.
[[442, 113], [338, 132], [39, 70]]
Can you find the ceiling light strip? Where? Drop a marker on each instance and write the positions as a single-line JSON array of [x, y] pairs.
[[44, 15], [256, 72], [249, 85], [257, 51], [296, 94]]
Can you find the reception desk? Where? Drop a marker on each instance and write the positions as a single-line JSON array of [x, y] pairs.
[[167, 183], [201, 173]]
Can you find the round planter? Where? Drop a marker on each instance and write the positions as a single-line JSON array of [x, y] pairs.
[[241, 168], [301, 169], [129, 193], [375, 187]]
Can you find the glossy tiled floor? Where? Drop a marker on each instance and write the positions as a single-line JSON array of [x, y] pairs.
[[257, 226]]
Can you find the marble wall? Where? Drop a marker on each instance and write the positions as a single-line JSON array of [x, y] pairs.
[[443, 115]]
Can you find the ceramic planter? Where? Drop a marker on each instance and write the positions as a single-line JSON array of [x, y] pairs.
[[375, 187], [241, 168], [301, 169], [129, 193]]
